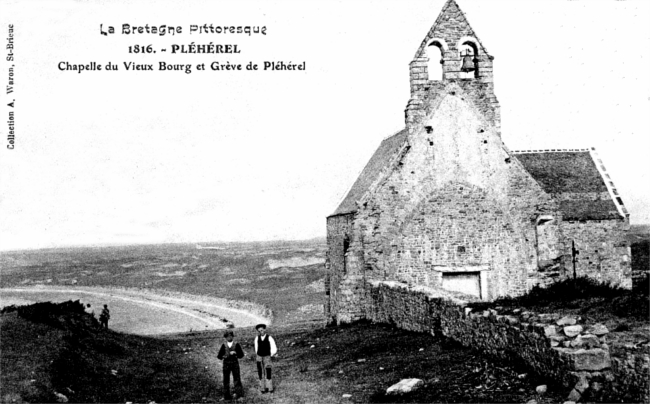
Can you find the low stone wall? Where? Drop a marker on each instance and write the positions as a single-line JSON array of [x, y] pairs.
[[573, 354]]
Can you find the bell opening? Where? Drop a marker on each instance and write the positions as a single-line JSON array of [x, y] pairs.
[[434, 66], [469, 61]]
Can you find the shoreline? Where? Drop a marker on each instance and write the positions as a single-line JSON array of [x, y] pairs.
[[182, 310]]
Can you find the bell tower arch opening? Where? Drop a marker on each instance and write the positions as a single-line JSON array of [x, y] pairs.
[[435, 52], [469, 58]]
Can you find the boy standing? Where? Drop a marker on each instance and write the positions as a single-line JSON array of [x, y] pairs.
[[265, 348], [230, 352]]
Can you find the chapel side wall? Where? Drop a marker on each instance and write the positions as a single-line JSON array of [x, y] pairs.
[[604, 251], [344, 277]]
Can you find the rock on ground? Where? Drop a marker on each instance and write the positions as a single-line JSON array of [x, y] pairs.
[[405, 386]]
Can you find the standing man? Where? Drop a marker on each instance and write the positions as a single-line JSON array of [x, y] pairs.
[[90, 311], [230, 352], [105, 316], [264, 349]]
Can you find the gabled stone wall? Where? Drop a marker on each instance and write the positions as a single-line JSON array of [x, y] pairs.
[[453, 201]]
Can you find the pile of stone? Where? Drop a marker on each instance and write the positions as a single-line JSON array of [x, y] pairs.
[[586, 349], [583, 347]]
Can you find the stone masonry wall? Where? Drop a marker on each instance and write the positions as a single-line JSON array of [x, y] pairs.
[[453, 201], [344, 277], [478, 93], [604, 252], [573, 354]]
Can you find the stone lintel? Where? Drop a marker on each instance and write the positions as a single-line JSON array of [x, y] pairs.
[[466, 268]]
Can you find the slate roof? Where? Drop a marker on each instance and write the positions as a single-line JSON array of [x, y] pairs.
[[371, 171], [573, 179]]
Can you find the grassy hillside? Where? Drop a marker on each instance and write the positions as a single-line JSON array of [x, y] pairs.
[[50, 349]]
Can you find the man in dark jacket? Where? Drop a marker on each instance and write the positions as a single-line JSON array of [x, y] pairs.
[[230, 352], [265, 348]]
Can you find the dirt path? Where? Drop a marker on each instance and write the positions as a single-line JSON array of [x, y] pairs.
[[141, 311]]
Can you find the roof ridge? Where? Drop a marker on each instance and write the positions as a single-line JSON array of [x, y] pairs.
[[553, 150]]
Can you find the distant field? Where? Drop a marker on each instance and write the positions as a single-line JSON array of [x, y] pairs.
[[286, 277], [639, 232]]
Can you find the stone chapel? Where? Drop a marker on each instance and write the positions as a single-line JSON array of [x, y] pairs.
[[445, 204]]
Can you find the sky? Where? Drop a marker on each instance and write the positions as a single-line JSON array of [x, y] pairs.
[[121, 157]]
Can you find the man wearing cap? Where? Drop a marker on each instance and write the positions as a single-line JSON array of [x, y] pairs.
[[265, 348], [230, 352]]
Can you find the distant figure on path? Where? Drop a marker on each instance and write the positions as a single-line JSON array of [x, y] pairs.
[[105, 316], [265, 348], [230, 352]]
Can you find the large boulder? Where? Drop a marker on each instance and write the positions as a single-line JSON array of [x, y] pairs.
[[598, 330], [589, 359], [405, 386], [572, 330], [566, 320], [550, 330], [586, 341]]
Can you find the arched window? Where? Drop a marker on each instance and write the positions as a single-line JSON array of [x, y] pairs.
[[435, 55], [468, 60]]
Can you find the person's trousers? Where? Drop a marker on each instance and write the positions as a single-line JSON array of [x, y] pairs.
[[264, 372], [228, 368]]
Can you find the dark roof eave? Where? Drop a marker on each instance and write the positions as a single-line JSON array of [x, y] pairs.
[[352, 212], [618, 217]]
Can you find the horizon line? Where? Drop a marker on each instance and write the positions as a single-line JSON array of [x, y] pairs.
[[134, 244]]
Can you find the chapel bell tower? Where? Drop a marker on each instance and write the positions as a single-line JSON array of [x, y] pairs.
[[451, 52]]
